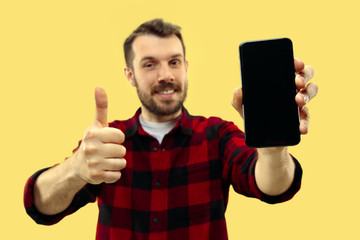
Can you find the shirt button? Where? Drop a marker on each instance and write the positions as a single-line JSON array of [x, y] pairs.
[[156, 220], [157, 184], [154, 149]]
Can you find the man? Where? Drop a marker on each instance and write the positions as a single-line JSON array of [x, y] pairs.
[[164, 174]]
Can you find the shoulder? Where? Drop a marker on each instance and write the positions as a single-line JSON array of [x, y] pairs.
[[214, 125], [198, 119]]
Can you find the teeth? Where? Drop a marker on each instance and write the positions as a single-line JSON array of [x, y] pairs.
[[166, 92]]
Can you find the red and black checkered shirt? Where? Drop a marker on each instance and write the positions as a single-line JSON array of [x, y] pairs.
[[174, 190]]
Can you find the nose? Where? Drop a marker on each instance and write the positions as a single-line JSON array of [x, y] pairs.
[[165, 73]]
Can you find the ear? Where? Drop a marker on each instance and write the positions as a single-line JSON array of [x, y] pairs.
[[186, 65], [130, 76]]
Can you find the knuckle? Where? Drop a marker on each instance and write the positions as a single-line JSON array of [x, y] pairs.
[[93, 164], [112, 176], [96, 176], [90, 149], [89, 133]]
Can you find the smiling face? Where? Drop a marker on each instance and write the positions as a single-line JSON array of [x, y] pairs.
[[159, 74]]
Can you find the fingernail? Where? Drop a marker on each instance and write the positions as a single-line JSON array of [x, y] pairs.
[[306, 98]]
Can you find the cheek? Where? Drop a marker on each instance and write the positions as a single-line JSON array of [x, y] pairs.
[[146, 80], [182, 78]]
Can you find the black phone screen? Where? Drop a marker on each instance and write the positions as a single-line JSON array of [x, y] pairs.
[[271, 115]]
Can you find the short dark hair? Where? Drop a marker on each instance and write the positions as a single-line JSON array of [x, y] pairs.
[[155, 27]]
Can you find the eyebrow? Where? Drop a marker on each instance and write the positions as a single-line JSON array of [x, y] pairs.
[[152, 58]]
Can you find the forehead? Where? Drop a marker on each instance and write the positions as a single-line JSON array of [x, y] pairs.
[[156, 47]]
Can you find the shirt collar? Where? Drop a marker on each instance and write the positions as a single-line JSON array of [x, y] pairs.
[[184, 123]]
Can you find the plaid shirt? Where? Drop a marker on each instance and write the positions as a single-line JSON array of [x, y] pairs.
[[174, 190]]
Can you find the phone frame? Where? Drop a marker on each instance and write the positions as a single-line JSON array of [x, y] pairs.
[[286, 137]]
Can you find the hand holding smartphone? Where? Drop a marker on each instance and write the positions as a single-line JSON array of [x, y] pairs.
[[271, 115]]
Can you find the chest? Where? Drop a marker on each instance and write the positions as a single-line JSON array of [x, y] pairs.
[[182, 171]]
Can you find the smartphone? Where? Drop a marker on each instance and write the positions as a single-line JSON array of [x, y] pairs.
[[271, 115]]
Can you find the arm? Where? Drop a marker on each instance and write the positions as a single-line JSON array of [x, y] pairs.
[[98, 159], [275, 168], [55, 188], [239, 167]]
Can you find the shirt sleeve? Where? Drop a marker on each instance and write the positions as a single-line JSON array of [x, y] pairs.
[[239, 166], [87, 194]]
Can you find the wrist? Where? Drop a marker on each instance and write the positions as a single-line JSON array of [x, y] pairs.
[[275, 157], [273, 152], [73, 169]]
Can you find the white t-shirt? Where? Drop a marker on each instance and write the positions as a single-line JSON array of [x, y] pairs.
[[157, 130]]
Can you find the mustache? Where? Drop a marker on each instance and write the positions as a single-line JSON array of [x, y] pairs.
[[165, 85]]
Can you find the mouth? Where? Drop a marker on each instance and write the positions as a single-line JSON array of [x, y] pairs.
[[166, 92]]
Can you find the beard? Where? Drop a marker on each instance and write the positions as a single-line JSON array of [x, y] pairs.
[[167, 107]]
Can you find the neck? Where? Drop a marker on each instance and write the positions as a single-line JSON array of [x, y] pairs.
[[150, 117]]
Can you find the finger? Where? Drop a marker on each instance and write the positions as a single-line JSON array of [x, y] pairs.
[[111, 135], [101, 102], [306, 94], [237, 100], [299, 65], [305, 75], [105, 135], [107, 150], [111, 150], [300, 81], [113, 164], [304, 120], [111, 176]]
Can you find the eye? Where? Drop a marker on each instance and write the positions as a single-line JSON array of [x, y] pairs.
[[175, 62], [149, 65]]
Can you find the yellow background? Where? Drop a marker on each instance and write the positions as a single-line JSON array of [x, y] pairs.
[[54, 53]]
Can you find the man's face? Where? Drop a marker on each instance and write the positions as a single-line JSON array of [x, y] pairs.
[[159, 74]]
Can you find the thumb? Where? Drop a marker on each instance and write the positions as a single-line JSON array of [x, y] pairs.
[[237, 100], [101, 102]]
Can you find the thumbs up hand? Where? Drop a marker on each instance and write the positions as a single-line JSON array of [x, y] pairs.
[[100, 156]]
